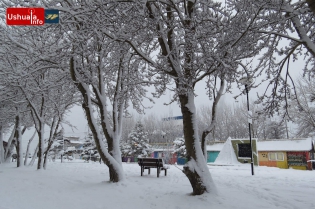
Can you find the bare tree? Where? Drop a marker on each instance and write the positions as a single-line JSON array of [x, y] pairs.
[[303, 107], [188, 37]]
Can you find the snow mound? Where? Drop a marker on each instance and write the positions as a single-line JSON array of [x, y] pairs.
[[227, 154]]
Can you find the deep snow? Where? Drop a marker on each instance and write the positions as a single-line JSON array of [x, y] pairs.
[[78, 185]]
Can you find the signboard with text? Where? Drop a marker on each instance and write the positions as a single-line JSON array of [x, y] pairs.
[[31, 16]]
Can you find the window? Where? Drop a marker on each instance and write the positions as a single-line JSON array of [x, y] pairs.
[[244, 150], [276, 156], [280, 156], [272, 156]]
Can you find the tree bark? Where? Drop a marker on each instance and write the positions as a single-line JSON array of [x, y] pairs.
[[19, 151], [34, 156], [40, 133], [53, 133], [114, 165], [113, 174], [1, 145], [28, 147], [311, 5], [9, 147], [196, 168], [213, 118]]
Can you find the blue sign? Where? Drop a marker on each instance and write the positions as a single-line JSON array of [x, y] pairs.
[[173, 118], [51, 16]]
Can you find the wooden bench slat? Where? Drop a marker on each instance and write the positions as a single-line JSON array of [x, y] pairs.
[[151, 164]]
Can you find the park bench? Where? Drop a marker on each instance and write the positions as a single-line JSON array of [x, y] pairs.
[[148, 163]]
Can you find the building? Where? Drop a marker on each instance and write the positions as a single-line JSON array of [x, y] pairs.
[[286, 153], [213, 151], [296, 154]]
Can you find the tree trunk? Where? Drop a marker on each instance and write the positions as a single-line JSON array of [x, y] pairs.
[[1, 145], [113, 165], [19, 150], [196, 168], [311, 5], [28, 147], [213, 117], [9, 147], [116, 173], [34, 156], [40, 145], [204, 144], [52, 135], [117, 156]]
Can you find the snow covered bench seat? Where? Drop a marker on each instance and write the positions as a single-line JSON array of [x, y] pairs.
[[148, 163]]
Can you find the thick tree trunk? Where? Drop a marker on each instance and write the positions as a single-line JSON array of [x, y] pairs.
[[196, 168], [117, 156], [114, 167]]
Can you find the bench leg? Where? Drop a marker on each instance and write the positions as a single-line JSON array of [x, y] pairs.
[[165, 172], [158, 172], [149, 171], [141, 171]]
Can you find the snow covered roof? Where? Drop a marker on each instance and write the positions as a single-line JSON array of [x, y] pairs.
[[75, 138], [279, 145], [287, 145], [76, 142], [215, 147], [71, 148], [163, 150]]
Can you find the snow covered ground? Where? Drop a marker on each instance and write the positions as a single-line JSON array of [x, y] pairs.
[[78, 185]]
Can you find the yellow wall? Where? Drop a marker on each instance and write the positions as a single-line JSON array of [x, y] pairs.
[[298, 167]]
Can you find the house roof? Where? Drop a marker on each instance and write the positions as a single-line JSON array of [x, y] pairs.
[[76, 142], [287, 145], [215, 147], [279, 145]]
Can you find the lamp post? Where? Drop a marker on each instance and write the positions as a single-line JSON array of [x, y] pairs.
[[247, 81]]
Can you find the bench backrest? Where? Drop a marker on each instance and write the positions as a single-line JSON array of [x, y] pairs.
[[155, 162]]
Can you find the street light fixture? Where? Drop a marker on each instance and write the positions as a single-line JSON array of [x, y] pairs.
[[247, 81]]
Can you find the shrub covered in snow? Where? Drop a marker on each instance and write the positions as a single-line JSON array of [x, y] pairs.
[[179, 146]]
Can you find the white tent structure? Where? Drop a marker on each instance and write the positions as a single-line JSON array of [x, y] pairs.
[[227, 155]]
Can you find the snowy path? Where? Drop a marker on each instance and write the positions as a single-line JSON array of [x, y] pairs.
[[80, 185]]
